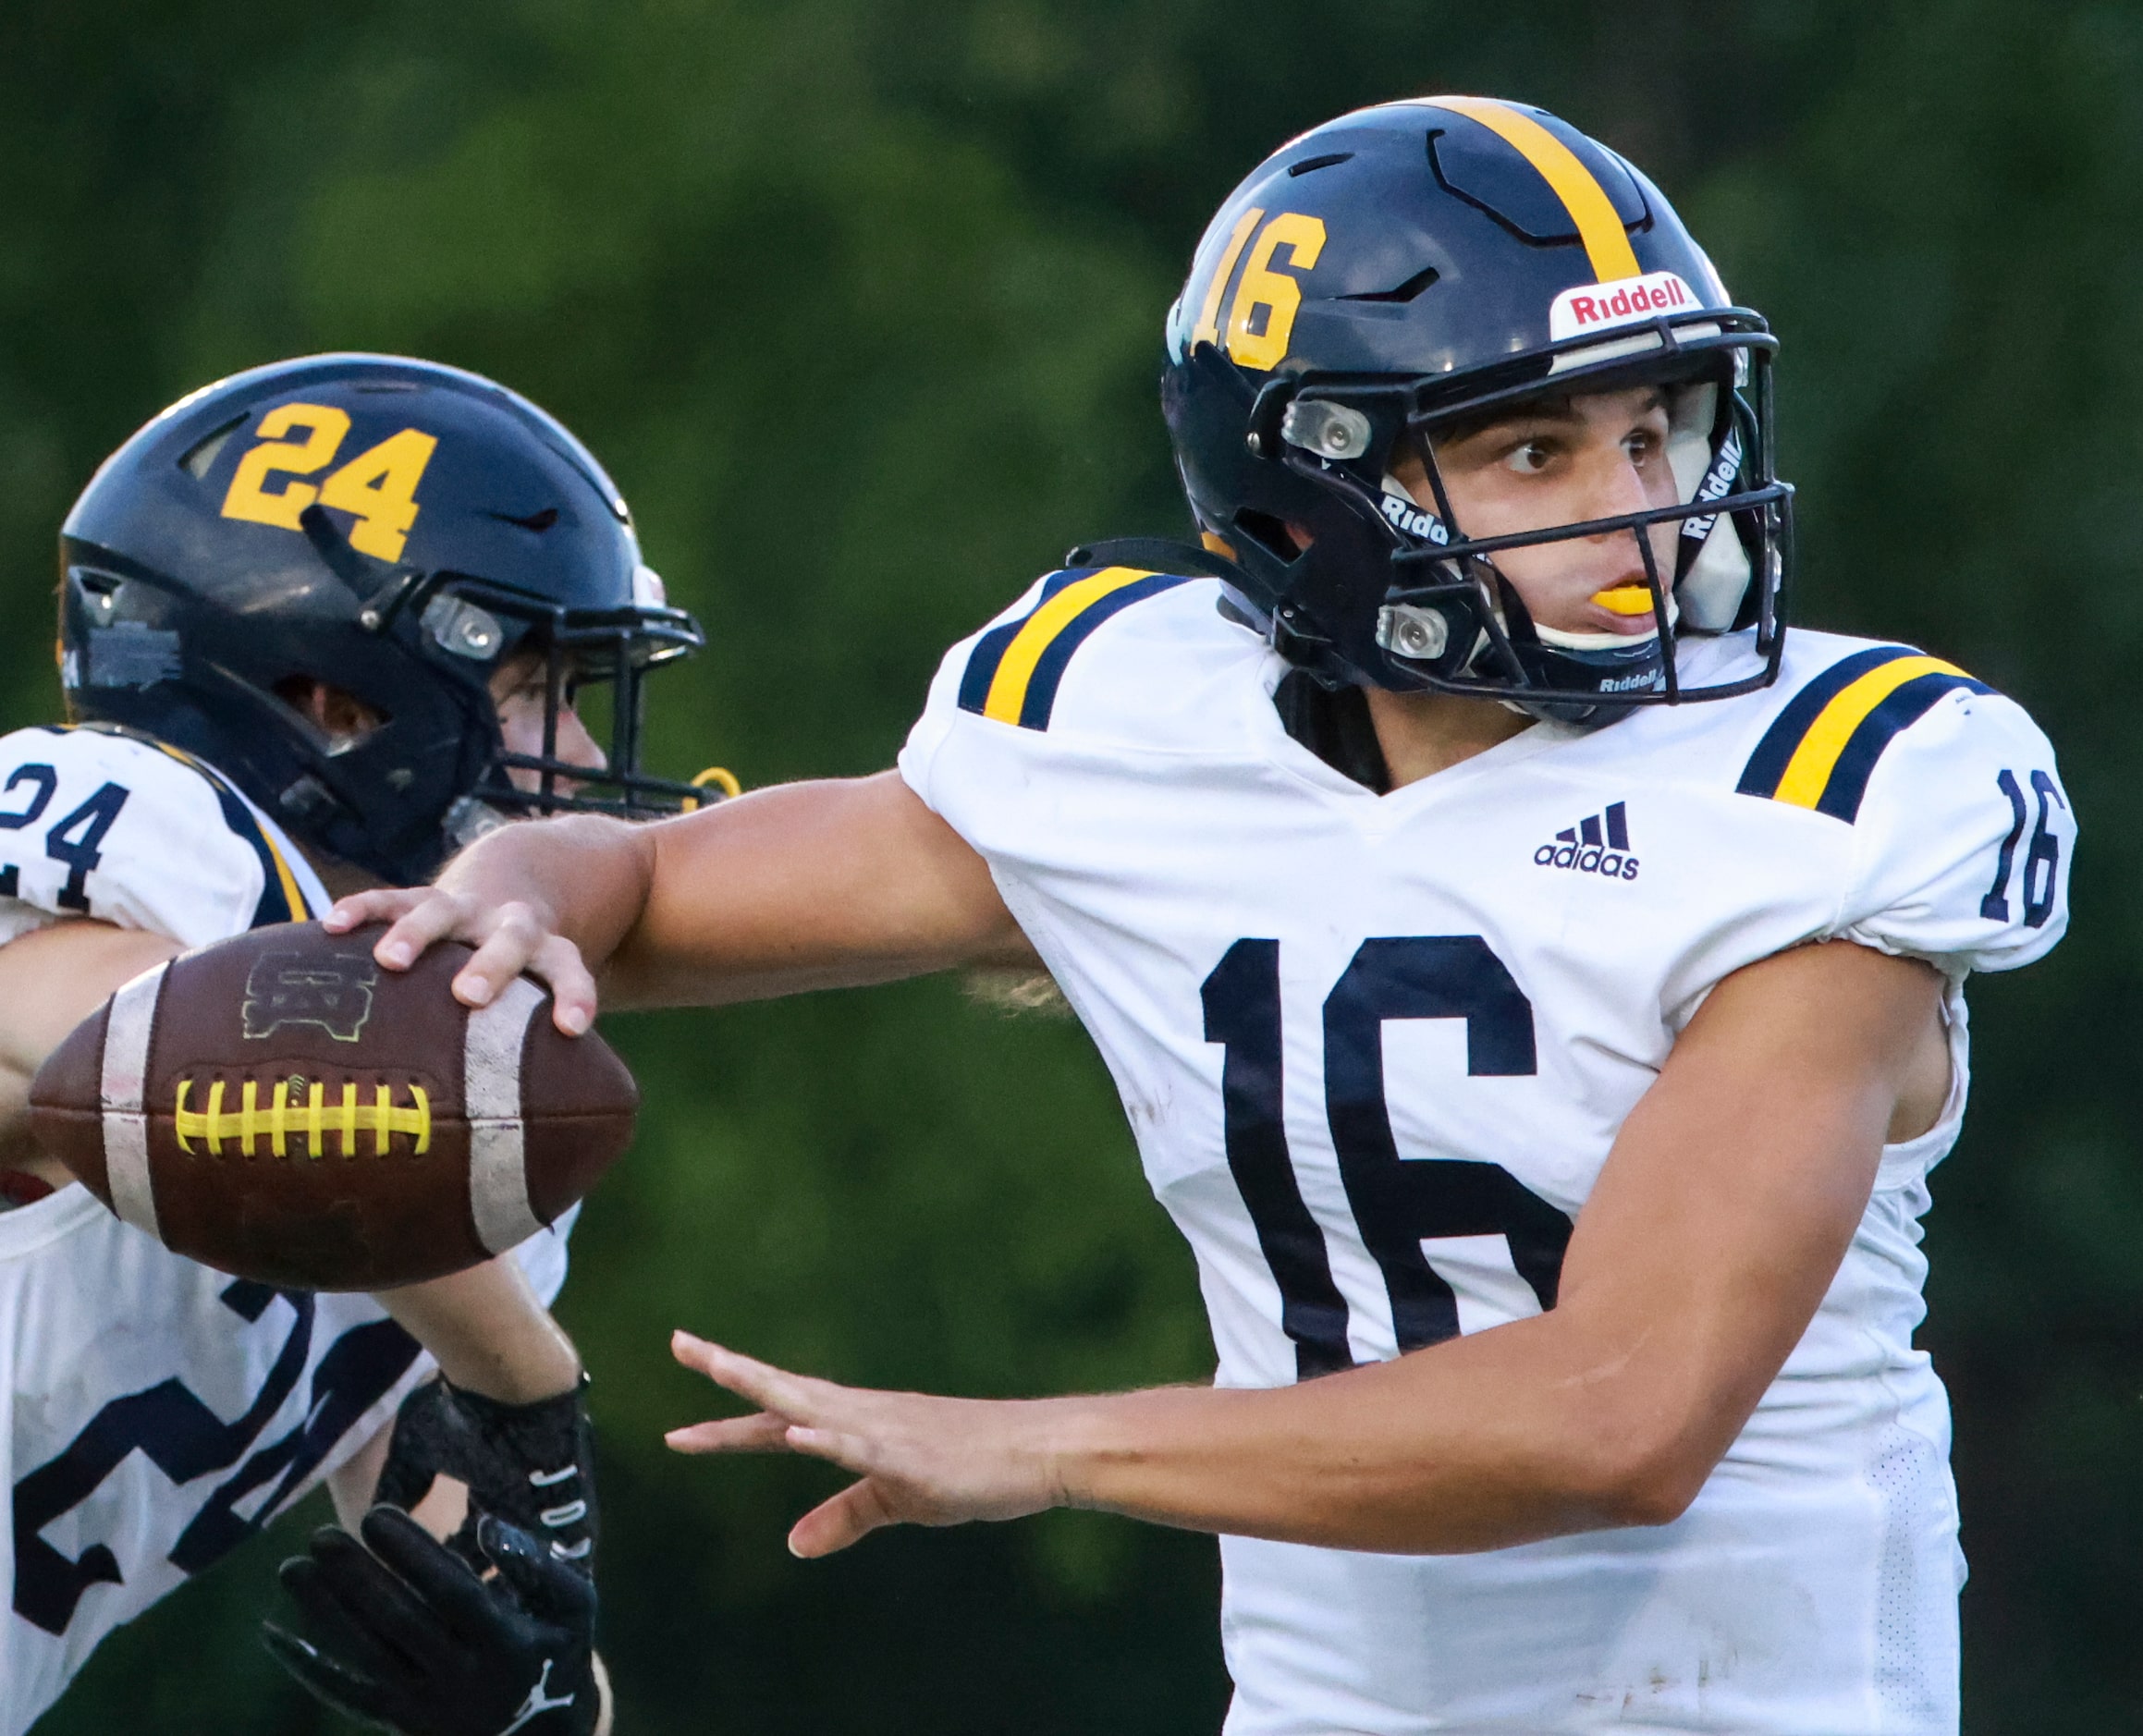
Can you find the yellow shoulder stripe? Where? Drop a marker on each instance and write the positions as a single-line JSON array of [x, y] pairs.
[[1007, 698], [1808, 774], [1823, 746], [1607, 242]]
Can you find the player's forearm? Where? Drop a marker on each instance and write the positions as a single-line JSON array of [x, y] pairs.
[[835, 883], [353, 1484], [1477, 1444], [488, 1333]]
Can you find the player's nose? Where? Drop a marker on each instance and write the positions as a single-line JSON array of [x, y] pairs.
[[1615, 486], [576, 746]]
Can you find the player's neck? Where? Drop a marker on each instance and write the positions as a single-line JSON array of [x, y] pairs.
[[1426, 733]]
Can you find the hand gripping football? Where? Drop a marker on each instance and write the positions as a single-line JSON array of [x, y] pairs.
[[279, 1108]]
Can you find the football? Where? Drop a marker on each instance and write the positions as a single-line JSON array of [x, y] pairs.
[[278, 1106]]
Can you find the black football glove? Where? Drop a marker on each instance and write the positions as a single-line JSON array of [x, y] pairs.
[[532, 1465], [400, 1631]]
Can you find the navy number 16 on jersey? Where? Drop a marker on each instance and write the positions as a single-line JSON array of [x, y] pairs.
[[1397, 1203]]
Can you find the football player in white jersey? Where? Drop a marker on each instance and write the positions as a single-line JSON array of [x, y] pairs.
[[276, 686], [1533, 976]]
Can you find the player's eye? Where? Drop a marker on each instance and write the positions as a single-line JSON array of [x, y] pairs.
[[1529, 457]]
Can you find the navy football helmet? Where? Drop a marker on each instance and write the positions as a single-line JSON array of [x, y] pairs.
[[1409, 267], [396, 528]]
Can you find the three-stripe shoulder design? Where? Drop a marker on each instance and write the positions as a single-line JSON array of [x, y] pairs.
[[1820, 750], [1014, 670]]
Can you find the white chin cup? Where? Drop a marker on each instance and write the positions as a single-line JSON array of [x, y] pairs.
[[1562, 640]]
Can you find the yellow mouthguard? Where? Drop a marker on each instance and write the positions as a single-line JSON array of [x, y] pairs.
[[1625, 600]]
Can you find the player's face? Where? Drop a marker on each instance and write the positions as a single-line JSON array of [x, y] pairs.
[[1563, 461], [518, 690]]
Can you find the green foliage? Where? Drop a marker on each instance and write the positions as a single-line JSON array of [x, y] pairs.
[[860, 303]]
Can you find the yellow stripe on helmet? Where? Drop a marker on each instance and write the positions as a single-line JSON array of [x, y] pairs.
[[1607, 242]]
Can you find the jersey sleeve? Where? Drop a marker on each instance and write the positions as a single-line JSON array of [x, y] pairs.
[[941, 710], [1963, 842], [1114, 662], [117, 829]]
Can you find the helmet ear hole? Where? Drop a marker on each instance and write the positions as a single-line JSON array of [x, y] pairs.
[[1269, 532], [345, 720], [96, 594]]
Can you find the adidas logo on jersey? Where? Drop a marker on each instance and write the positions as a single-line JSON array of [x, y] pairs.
[[1587, 848]]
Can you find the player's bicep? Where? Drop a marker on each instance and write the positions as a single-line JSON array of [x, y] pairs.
[[830, 883], [1738, 1180]]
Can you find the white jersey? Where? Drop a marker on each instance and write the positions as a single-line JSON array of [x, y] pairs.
[[1374, 1050], [158, 1412]]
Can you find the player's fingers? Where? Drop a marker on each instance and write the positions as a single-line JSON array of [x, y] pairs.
[[851, 1452], [375, 1599], [434, 1573], [430, 915], [512, 935], [757, 1434], [338, 1629], [832, 1525], [381, 904], [558, 962], [551, 1588], [797, 1398], [327, 1680]]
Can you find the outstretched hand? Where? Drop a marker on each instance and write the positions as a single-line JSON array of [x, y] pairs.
[[510, 937], [920, 1460]]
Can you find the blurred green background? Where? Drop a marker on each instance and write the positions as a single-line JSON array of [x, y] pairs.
[[860, 303]]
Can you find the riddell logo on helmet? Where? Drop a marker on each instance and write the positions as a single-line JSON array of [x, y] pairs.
[[1423, 527], [1600, 306]]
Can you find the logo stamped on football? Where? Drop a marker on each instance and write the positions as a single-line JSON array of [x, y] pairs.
[[286, 988]]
